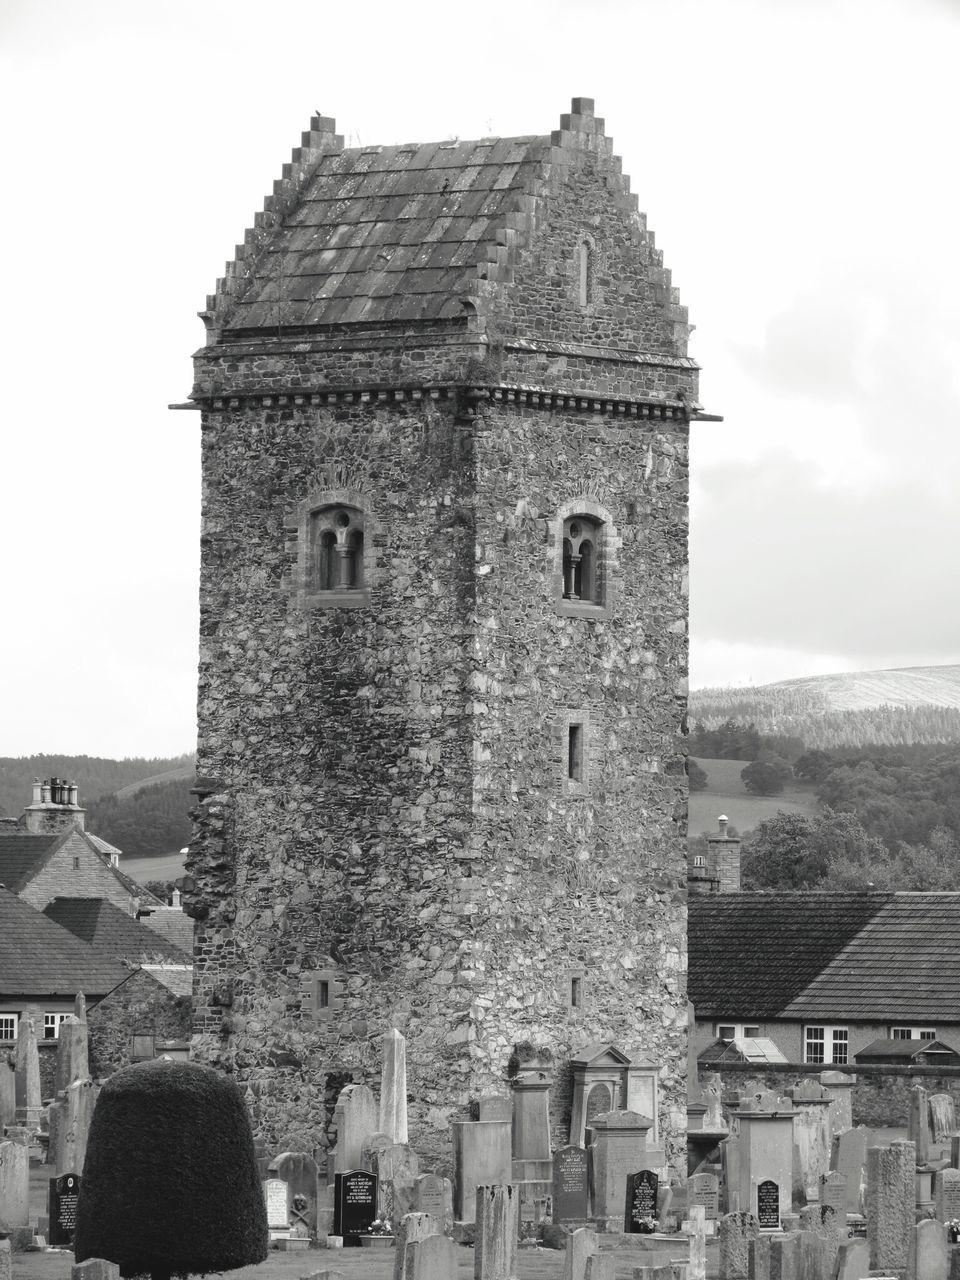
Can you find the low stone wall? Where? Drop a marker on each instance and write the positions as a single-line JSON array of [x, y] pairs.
[[881, 1096]]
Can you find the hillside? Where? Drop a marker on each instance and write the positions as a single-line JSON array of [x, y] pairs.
[[726, 794], [95, 775], [908, 705], [147, 820]]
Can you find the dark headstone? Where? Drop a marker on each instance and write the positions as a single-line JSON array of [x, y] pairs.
[[62, 1209], [355, 1203], [768, 1206], [641, 1199], [598, 1102], [570, 1184]]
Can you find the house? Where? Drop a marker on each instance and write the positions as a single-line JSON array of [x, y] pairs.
[[144, 1016], [825, 975], [43, 967], [114, 932], [49, 854]]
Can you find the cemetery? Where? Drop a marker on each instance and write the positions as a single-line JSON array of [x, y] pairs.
[[155, 1171]]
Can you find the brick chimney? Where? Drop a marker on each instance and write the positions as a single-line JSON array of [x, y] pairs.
[[701, 874], [725, 857], [54, 808]]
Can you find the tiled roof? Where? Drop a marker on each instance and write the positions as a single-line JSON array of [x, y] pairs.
[[21, 856], [39, 958], [177, 978], [904, 963], [752, 954], [903, 1049], [390, 233], [878, 957], [111, 931], [173, 924]]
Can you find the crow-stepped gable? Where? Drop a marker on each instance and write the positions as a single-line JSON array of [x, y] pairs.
[[446, 397]]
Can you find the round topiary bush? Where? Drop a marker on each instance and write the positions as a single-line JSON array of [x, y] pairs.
[[170, 1184]]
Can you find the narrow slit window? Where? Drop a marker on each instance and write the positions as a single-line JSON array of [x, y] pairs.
[[584, 273], [323, 994], [576, 993], [575, 753]]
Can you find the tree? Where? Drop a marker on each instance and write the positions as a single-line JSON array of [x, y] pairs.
[[830, 851], [814, 765], [696, 777], [170, 1183], [766, 777]]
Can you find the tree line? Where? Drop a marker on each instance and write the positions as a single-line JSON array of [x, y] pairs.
[[96, 775], [153, 821]]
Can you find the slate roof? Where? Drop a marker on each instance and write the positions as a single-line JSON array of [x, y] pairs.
[[905, 1050], [112, 931], [39, 958], [178, 979], [390, 233], [21, 856], [173, 924], [877, 957]]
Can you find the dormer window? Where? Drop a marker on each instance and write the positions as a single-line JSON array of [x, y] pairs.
[[336, 539], [581, 569]]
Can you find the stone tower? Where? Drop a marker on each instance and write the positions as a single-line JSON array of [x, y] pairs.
[[445, 397]]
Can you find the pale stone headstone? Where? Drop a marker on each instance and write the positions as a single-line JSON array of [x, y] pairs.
[[927, 1259], [943, 1117], [72, 1056], [73, 1126], [8, 1093], [481, 1157], [833, 1194], [697, 1235], [839, 1087], [432, 1258], [411, 1228], [276, 1195], [299, 1171], [736, 1230], [891, 1196], [811, 1134], [496, 1107], [14, 1185], [704, 1189], [497, 1232], [393, 1087], [618, 1149], [434, 1195], [711, 1092], [918, 1124], [391, 1162], [531, 1116], [600, 1266], [28, 1075], [822, 1222], [56, 1116], [730, 1161], [581, 1245], [356, 1117], [853, 1260], [849, 1157], [95, 1269], [947, 1194]]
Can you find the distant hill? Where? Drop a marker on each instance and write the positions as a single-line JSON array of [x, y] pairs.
[[725, 794], [908, 705], [145, 821], [95, 775], [185, 773]]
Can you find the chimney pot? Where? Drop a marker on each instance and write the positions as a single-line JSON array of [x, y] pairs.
[[722, 821]]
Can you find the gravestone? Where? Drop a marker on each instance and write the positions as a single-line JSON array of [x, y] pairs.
[[497, 1233], [411, 1228], [600, 1266], [928, 1251], [641, 1199], [833, 1194], [481, 1157], [496, 1108], [355, 1203], [599, 1101], [947, 1194], [617, 1149], [276, 1197], [570, 1185], [14, 1185], [393, 1087], [711, 1091], [72, 1057], [8, 1093], [736, 1230], [392, 1162], [356, 1118], [696, 1216], [299, 1171], [943, 1118], [768, 1205], [849, 1157], [839, 1086], [918, 1124], [434, 1195], [95, 1269], [758, 1258], [73, 1126], [62, 1209], [730, 1161], [891, 1198], [785, 1257], [27, 1075], [704, 1189], [432, 1258], [581, 1245], [853, 1260]]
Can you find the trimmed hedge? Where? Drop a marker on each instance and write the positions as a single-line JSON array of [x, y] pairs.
[[170, 1183]]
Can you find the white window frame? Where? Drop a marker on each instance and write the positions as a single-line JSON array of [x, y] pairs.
[[741, 1031], [53, 1020], [835, 1042], [918, 1032], [9, 1023]]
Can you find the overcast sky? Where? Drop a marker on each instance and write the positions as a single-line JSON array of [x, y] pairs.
[[797, 160]]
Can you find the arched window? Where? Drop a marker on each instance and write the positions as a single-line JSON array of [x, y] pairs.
[[336, 540], [581, 569]]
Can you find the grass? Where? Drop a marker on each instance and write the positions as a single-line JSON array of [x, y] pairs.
[[169, 866], [726, 793]]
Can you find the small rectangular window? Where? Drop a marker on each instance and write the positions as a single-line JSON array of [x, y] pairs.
[[751, 1033], [840, 1046], [575, 753], [76, 862], [726, 1033], [926, 1035], [323, 994], [912, 1033], [8, 1026], [51, 1025], [826, 1045], [143, 1046], [576, 993]]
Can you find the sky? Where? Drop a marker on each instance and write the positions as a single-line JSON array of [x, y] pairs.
[[796, 160]]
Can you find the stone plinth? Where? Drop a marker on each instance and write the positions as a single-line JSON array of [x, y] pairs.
[[618, 1148]]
